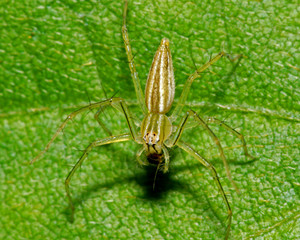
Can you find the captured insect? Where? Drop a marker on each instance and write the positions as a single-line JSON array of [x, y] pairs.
[[156, 132]]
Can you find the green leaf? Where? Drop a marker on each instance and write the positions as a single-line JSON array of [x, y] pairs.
[[56, 55]]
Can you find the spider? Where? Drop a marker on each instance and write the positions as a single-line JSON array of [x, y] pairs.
[[157, 133]]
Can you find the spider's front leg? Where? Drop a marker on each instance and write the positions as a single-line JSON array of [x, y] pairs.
[[173, 140], [134, 74], [117, 103]]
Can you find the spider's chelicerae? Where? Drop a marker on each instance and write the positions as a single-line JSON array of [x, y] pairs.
[[156, 133]]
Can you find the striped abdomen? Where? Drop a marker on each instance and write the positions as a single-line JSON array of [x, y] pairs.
[[160, 87]]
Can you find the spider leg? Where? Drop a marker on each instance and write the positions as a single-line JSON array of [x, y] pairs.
[[138, 157], [118, 103], [176, 136], [208, 165], [134, 74], [166, 159], [96, 116], [178, 109], [104, 141], [234, 132]]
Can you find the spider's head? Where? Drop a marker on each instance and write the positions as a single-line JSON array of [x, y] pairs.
[[153, 142], [155, 129]]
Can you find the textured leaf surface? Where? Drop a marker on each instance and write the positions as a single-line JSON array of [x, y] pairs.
[[55, 55]]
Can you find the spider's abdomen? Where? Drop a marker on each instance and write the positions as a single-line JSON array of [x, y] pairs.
[[160, 87]]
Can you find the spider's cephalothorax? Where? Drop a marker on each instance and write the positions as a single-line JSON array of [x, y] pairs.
[[155, 129]]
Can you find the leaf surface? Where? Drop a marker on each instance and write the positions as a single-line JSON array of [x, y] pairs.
[[56, 56]]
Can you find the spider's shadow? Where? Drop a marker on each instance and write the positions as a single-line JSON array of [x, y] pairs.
[[145, 178], [163, 183]]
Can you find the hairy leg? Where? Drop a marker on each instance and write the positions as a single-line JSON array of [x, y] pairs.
[[208, 165], [134, 74], [186, 89], [112, 139], [118, 103], [176, 136], [96, 116], [234, 132]]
